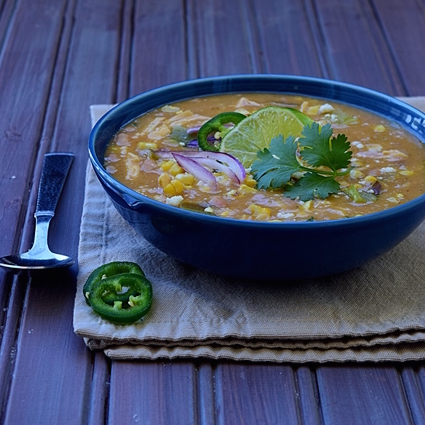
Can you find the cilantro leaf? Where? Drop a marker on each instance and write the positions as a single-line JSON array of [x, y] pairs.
[[322, 158], [276, 165], [312, 185], [319, 149]]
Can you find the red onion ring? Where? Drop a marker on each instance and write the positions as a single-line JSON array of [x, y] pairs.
[[235, 166], [212, 163], [197, 170]]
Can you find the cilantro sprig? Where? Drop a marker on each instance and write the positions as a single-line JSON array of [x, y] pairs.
[[306, 168]]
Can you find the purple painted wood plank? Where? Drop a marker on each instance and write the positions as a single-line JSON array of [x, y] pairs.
[[158, 54], [6, 10], [309, 396], [403, 25], [421, 379], [152, 393], [206, 403], [99, 390], [288, 39], [63, 371], [26, 68], [255, 394], [222, 37], [362, 395], [51, 362], [355, 46], [26, 65], [10, 322], [414, 394], [127, 28]]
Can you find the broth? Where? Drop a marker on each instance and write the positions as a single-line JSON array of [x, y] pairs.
[[387, 161]]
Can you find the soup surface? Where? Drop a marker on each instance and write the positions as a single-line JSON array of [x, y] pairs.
[[386, 169]]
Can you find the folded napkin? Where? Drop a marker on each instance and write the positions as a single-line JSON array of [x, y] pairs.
[[374, 313]]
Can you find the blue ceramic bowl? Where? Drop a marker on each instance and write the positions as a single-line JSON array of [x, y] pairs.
[[260, 250]]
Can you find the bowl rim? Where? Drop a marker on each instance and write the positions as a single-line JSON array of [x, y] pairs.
[[135, 199]]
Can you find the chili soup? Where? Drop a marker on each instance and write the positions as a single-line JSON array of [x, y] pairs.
[[386, 166]]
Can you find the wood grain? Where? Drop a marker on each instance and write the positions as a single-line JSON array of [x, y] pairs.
[[362, 395], [56, 60], [46, 339], [356, 47]]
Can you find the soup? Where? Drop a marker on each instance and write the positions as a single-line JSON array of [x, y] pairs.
[[386, 166]]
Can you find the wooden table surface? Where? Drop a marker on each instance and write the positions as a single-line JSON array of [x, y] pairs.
[[57, 58]]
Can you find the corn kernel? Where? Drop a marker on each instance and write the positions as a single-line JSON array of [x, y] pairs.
[[313, 110], [185, 178], [164, 179], [169, 190], [357, 162], [225, 214], [379, 128], [232, 192], [356, 174], [304, 106], [167, 165], [407, 173], [175, 169], [308, 206], [370, 179], [250, 181], [400, 196], [178, 186], [260, 213], [246, 189], [208, 209], [147, 145], [303, 214]]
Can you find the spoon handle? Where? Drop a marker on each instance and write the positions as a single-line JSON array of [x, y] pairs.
[[53, 176]]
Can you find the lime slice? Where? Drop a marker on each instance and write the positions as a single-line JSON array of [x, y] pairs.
[[256, 131]]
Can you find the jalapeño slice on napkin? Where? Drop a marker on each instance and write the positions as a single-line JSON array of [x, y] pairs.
[[108, 270], [120, 312], [119, 292]]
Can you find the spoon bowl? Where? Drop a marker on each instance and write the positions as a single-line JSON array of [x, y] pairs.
[[39, 257], [23, 262]]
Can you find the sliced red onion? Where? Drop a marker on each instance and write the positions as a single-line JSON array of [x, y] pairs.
[[193, 130], [216, 165], [220, 160], [165, 154], [192, 144], [197, 170], [233, 163]]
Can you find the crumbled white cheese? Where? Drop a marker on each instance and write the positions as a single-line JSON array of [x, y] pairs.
[[284, 215], [174, 201], [326, 108], [388, 170], [357, 144]]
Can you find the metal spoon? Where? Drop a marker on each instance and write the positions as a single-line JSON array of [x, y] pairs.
[[39, 257]]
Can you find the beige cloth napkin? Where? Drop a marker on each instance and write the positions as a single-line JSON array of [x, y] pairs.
[[373, 313]]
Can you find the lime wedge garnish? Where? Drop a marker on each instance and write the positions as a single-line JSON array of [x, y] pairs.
[[256, 131]]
